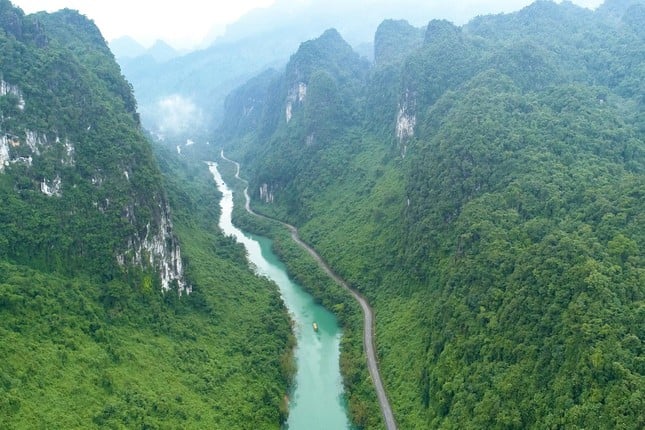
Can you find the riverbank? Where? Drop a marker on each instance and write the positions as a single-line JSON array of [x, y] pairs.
[[317, 399], [353, 311]]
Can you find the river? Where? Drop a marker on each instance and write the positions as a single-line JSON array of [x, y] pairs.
[[317, 400]]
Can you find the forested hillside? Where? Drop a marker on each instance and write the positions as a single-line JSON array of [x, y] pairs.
[[104, 321], [74, 163], [483, 187]]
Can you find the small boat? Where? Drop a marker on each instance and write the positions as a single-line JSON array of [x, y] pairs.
[[315, 327]]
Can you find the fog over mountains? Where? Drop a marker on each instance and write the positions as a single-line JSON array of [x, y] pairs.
[[167, 86]]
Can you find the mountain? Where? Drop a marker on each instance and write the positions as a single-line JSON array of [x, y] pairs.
[[482, 186], [178, 97], [126, 47], [194, 86], [116, 299], [394, 40], [161, 52], [64, 171]]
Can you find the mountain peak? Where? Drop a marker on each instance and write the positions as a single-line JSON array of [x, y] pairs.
[[441, 29], [162, 51], [394, 39], [332, 34], [329, 52], [126, 47], [72, 29]]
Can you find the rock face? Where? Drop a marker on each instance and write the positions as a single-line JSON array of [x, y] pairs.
[[405, 121], [81, 190], [159, 249], [29, 144], [266, 193], [6, 89]]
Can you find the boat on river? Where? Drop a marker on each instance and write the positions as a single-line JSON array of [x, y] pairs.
[[315, 327]]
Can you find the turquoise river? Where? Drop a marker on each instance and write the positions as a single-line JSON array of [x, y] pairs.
[[317, 400]]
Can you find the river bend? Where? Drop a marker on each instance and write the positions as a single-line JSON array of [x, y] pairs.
[[317, 401], [368, 313]]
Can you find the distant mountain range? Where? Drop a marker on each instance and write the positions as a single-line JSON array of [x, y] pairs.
[[193, 86], [126, 48]]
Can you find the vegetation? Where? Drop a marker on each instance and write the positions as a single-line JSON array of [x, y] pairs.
[[501, 241], [90, 340], [77, 353], [78, 126], [363, 406]]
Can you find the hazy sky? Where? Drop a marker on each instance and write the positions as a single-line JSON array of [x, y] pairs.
[[186, 23]]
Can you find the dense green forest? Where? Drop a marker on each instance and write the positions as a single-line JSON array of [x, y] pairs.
[[78, 353], [104, 323], [72, 199], [483, 186]]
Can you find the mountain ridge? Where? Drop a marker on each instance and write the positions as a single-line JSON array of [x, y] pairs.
[[484, 196]]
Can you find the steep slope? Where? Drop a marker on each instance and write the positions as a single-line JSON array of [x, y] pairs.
[[102, 322], [487, 198], [74, 164], [307, 109]]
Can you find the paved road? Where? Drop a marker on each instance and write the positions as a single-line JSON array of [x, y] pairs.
[[368, 314]]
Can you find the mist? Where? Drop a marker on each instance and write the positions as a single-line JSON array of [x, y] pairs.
[[357, 20], [174, 115]]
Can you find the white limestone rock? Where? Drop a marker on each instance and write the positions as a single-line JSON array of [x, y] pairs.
[[34, 140], [405, 121], [52, 188], [297, 94], [289, 111], [266, 193], [4, 152], [68, 157], [158, 249], [6, 89]]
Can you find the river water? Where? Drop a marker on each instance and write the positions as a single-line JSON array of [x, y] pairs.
[[317, 400]]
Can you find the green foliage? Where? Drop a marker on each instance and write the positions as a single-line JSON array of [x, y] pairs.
[[245, 106], [363, 406], [88, 342], [121, 354], [330, 53], [394, 40], [504, 253], [80, 112], [323, 112]]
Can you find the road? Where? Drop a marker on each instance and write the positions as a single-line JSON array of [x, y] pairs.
[[368, 313]]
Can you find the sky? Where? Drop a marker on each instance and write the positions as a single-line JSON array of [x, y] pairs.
[[186, 24]]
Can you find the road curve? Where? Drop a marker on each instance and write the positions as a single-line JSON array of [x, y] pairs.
[[368, 313]]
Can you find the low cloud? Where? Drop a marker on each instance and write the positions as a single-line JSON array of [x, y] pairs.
[[173, 115]]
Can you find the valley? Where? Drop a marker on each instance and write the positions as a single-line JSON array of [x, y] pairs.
[[439, 228], [368, 314], [470, 187], [317, 400]]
